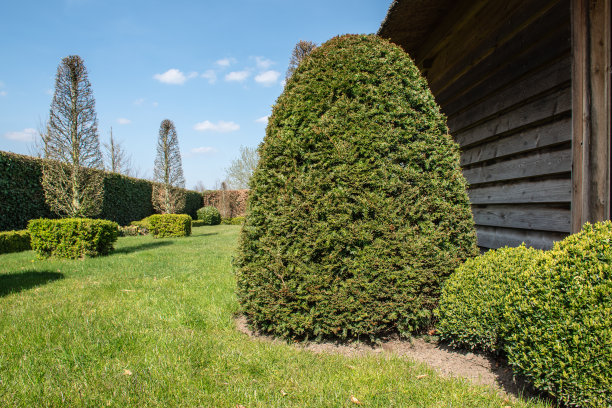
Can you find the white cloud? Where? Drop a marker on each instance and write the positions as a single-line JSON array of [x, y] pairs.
[[225, 62], [26, 135], [283, 83], [139, 101], [203, 150], [267, 78], [220, 126], [237, 76], [210, 75], [263, 63], [49, 91], [263, 119], [124, 121], [155, 104], [174, 77], [3, 93]]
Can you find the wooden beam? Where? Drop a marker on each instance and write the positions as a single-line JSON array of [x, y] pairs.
[[591, 111]]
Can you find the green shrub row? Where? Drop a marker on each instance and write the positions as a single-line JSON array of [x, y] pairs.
[[550, 312], [170, 225], [209, 215], [14, 241], [125, 199], [72, 238], [233, 221]]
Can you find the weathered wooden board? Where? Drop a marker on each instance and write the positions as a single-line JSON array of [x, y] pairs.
[[549, 134], [541, 109], [591, 88], [540, 191], [528, 217], [527, 89], [494, 237], [486, 47], [536, 164]]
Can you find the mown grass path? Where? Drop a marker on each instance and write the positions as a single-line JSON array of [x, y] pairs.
[[153, 325]]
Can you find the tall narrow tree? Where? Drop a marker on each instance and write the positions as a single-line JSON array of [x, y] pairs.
[[116, 159], [71, 144], [168, 193]]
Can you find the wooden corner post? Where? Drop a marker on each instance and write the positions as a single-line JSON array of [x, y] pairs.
[[591, 81]]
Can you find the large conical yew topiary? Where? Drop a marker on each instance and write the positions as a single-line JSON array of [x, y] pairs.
[[358, 209]]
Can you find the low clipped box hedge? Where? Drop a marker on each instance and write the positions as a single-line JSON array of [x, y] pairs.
[[170, 225], [474, 297], [557, 327], [209, 215], [233, 221], [358, 210], [72, 238], [14, 241]]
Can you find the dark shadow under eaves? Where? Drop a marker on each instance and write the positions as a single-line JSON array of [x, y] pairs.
[[16, 282]]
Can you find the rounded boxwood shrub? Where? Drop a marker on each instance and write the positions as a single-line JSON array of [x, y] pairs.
[[558, 325], [209, 215], [474, 297], [170, 225], [72, 238], [358, 208]]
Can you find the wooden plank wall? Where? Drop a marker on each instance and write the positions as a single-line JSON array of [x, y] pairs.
[[506, 89]]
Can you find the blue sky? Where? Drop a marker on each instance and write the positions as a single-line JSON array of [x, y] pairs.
[[214, 68]]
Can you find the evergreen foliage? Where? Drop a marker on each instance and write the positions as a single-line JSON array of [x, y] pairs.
[[358, 209], [14, 241], [22, 196], [557, 327], [170, 225], [475, 296], [209, 215], [72, 238]]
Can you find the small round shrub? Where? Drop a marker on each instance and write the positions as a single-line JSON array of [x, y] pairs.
[[474, 297], [358, 209], [209, 215], [558, 325]]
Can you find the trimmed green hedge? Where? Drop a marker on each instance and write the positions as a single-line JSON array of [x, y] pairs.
[[550, 312], [21, 193], [72, 237], [170, 225], [475, 295], [557, 327], [209, 215], [125, 199], [358, 209], [233, 221], [14, 241]]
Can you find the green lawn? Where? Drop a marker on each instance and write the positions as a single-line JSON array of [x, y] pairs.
[[152, 325]]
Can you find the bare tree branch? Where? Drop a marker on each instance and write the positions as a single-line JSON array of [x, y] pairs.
[[240, 170], [71, 144], [117, 161], [302, 50], [168, 194]]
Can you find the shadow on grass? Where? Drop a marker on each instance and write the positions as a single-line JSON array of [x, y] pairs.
[[141, 247], [16, 282], [206, 234]]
